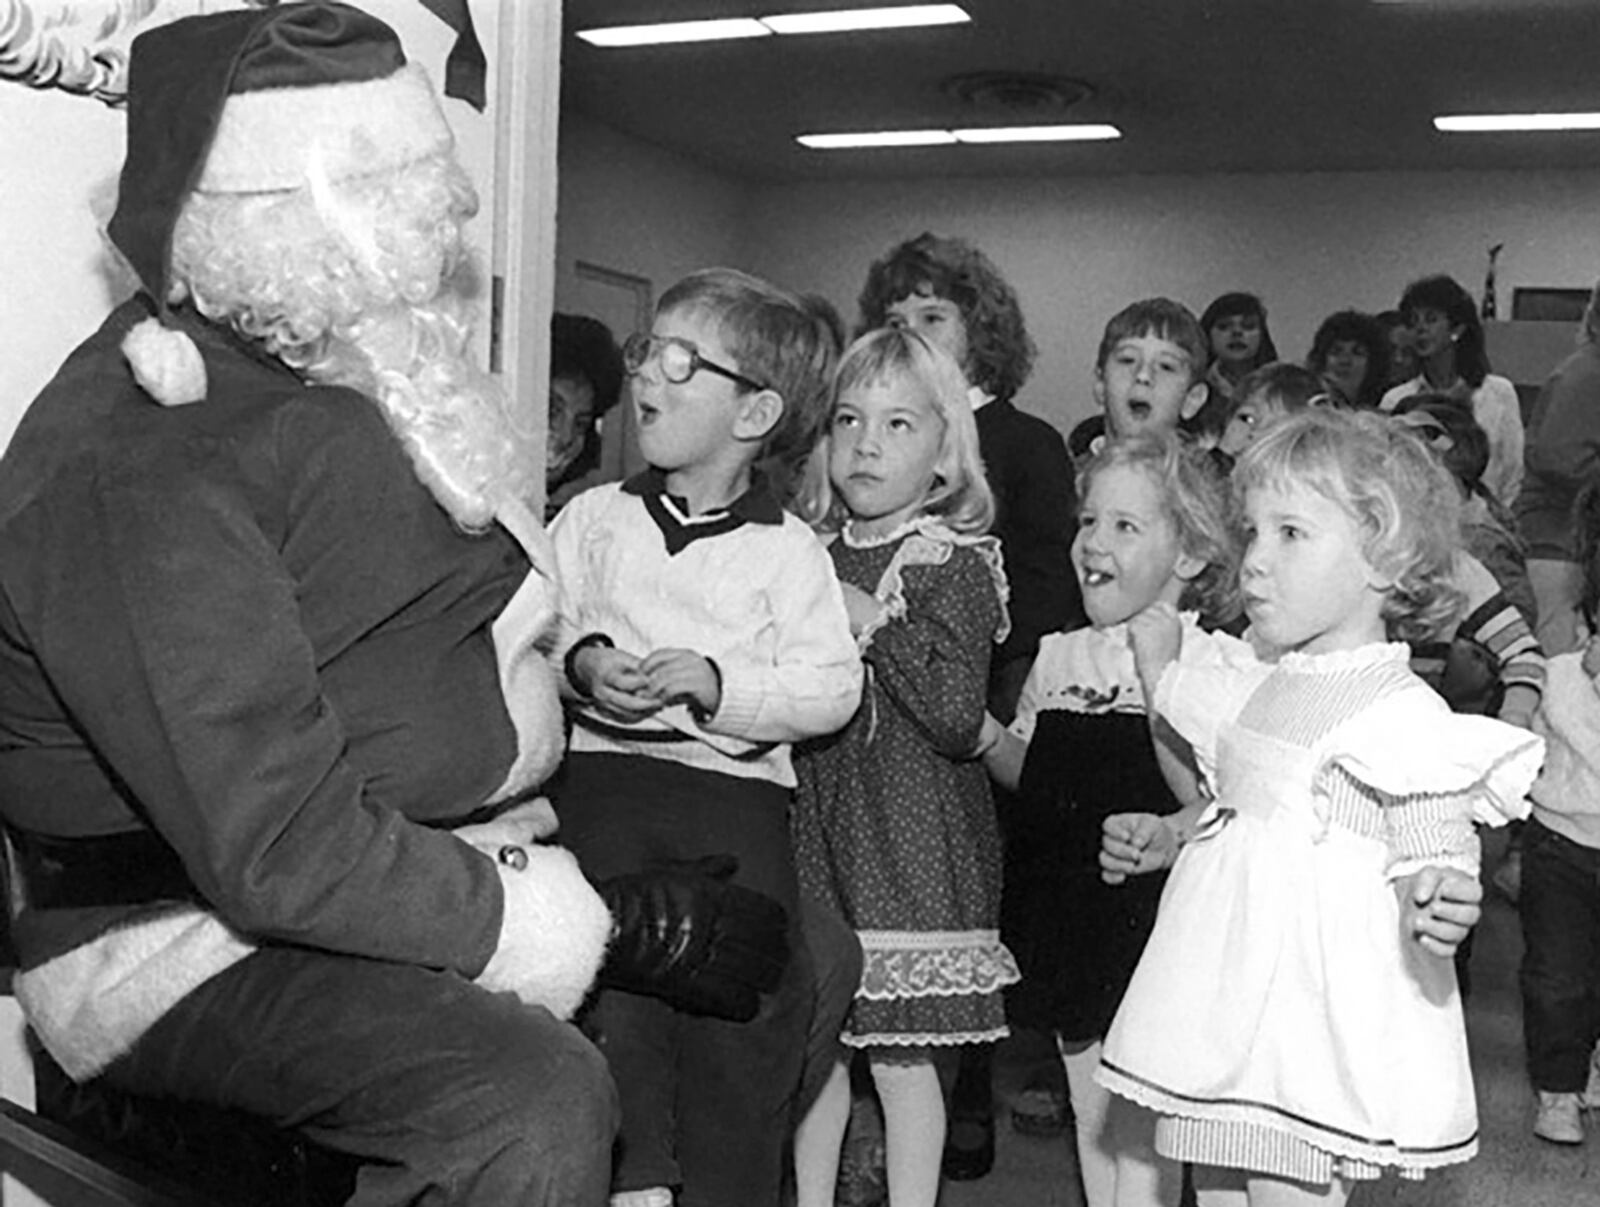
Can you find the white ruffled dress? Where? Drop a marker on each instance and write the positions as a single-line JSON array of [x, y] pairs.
[[1279, 1021]]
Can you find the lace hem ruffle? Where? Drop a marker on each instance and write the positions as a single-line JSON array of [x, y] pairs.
[[925, 1040], [934, 964]]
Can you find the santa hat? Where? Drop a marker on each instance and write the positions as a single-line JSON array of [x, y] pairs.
[[254, 101]]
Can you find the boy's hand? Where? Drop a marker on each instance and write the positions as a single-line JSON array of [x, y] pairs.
[[615, 681], [861, 607], [1156, 636], [1134, 843], [1438, 908], [683, 677]]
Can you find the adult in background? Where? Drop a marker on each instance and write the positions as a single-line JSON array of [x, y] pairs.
[[1561, 455], [1447, 337], [586, 378], [271, 717], [1350, 352]]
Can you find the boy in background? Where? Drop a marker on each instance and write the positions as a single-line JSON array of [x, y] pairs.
[[1149, 375], [703, 632]]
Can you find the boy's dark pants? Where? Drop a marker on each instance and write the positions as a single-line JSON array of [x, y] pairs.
[[453, 1094], [706, 1104], [1560, 907]]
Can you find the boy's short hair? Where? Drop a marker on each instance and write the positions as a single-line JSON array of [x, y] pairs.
[[1000, 352], [1452, 431], [1164, 319], [781, 341]]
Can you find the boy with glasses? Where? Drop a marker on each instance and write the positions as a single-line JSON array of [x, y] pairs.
[[702, 633]]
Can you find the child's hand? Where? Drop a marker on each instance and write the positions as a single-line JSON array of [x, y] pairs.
[[1134, 843], [1438, 908], [615, 681], [862, 608], [1156, 636], [683, 677]]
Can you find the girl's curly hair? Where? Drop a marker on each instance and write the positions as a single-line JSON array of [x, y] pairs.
[[1404, 502], [1195, 498], [1000, 353]]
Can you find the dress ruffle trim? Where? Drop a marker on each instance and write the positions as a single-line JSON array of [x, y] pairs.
[[928, 542], [1402, 754], [923, 1040], [1387, 1153], [902, 964]]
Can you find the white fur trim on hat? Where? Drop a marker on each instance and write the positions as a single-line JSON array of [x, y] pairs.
[[268, 140], [165, 363]]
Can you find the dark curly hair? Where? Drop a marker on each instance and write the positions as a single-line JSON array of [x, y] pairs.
[[1449, 298], [1353, 326], [1000, 352]]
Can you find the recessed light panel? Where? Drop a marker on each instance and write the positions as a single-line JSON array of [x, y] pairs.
[[1493, 123], [876, 138], [1076, 132], [904, 16], [675, 31]]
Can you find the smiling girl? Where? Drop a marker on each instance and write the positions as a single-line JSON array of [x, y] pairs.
[[1295, 1020], [894, 822], [1152, 528]]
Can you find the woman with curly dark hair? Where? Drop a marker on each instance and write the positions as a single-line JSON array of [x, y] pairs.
[[1350, 352]]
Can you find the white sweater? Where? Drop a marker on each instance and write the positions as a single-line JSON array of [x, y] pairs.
[[761, 601]]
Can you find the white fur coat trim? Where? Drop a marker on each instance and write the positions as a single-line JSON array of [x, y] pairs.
[[274, 138], [91, 1004], [553, 933]]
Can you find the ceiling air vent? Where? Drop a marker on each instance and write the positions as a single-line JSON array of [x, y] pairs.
[[1019, 94]]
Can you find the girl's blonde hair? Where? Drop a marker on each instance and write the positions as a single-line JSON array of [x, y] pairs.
[[960, 496], [1195, 499], [1405, 503]]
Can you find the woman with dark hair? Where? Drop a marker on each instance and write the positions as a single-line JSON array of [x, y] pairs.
[[1236, 328], [1447, 337], [586, 378], [1350, 352]]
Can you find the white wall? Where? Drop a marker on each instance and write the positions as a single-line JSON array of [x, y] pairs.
[[1077, 249], [634, 208]]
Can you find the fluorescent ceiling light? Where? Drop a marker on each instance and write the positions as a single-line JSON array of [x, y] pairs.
[[1484, 123], [935, 138], [1080, 132], [675, 31], [877, 138], [903, 16]]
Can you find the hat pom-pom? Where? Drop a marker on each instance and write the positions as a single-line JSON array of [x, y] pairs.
[[166, 363]]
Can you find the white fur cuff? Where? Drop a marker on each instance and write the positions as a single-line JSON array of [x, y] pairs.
[[553, 935]]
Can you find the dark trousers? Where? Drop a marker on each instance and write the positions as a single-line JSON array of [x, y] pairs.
[[1560, 905], [706, 1104], [453, 1094]]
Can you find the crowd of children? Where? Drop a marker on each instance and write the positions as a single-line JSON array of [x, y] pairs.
[[1277, 669]]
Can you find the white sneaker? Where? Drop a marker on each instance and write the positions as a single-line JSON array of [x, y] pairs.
[[1560, 1120], [1590, 1098]]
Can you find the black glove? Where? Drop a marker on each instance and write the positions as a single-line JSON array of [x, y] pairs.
[[683, 933]]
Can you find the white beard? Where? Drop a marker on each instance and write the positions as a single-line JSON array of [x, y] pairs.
[[453, 419]]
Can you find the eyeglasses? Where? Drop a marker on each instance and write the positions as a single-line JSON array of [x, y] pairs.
[[680, 360]]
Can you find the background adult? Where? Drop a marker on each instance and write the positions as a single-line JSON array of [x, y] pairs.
[[586, 378], [1350, 352]]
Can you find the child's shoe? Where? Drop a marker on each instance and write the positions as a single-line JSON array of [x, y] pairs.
[[1560, 1120], [1591, 1092]]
